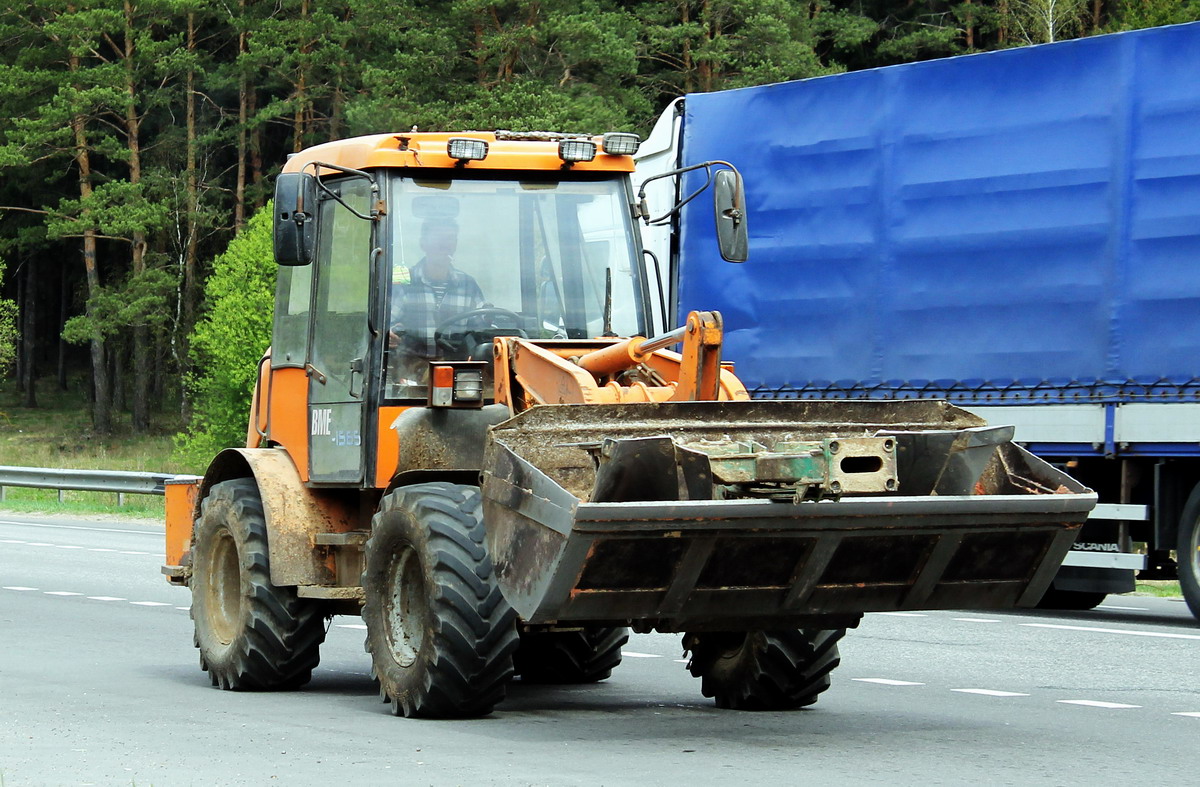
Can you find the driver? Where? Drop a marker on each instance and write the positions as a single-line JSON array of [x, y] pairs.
[[432, 291]]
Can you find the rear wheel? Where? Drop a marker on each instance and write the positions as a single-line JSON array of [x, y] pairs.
[[583, 656], [251, 634], [1188, 552], [764, 670], [440, 634]]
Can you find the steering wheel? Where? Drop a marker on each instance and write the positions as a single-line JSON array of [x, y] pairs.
[[458, 344]]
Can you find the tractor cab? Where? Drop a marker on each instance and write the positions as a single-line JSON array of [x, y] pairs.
[[470, 260], [400, 252]]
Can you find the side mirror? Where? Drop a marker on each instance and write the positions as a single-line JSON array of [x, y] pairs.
[[295, 218], [729, 202]]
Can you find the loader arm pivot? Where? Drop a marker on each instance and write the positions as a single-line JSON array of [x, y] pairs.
[[606, 371]]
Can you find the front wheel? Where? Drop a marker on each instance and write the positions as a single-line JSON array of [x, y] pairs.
[[251, 634], [1188, 552], [764, 670], [440, 634]]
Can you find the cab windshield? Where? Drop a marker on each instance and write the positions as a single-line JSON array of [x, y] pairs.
[[476, 259]]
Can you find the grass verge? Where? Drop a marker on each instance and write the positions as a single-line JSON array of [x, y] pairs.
[[1161, 588], [58, 433]]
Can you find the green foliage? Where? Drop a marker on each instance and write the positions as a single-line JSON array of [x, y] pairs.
[[229, 340], [8, 328], [140, 301], [1137, 14], [131, 150]]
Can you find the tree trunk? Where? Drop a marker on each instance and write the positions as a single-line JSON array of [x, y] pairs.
[[18, 367], [239, 191], [101, 411], [301, 96], [62, 321], [684, 18], [970, 22], [480, 60], [189, 294], [28, 334], [706, 65], [256, 159], [141, 334], [117, 359], [1097, 8]]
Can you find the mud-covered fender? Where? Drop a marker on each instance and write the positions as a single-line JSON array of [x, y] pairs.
[[294, 513], [443, 443]]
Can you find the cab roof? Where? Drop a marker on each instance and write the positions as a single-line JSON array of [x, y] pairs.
[[537, 151]]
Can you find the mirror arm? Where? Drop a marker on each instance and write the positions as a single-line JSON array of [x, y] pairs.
[[706, 166], [376, 205]]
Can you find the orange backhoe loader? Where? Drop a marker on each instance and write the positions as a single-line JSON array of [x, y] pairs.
[[462, 433]]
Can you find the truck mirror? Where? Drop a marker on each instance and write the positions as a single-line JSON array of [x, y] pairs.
[[729, 198], [295, 218]]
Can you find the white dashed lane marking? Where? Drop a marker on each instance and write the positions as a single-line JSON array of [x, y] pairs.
[[1128, 632], [83, 549], [68, 593], [1131, 609], [883, 682], [154, 533]]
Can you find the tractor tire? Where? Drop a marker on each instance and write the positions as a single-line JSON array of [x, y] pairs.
[[440, 634], [585, 656], [764, 670], [1077, 600], [252, 635], [1187, 552]]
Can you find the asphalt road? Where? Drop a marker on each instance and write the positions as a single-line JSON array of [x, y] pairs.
[[100, 684]]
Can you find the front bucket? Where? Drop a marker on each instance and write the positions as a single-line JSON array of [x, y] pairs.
[[976, 522]]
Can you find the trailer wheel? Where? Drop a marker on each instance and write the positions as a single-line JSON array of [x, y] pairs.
[[764, 670], [584, 656], [440, 634], [1188, 552], [252, 635]]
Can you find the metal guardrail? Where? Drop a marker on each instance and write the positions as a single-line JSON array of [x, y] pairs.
[[120, 482]]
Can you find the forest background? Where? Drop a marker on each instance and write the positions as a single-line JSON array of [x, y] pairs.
[[138, 138]]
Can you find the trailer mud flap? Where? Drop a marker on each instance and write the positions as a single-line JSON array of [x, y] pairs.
[[750, 563]]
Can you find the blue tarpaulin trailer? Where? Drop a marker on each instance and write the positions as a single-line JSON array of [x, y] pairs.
[[1016, 231]]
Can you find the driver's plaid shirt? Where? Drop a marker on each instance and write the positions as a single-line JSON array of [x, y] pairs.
[[419, 307]]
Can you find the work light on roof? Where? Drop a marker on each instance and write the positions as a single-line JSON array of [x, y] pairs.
[[572, 150], [466, 149], [619, 143]]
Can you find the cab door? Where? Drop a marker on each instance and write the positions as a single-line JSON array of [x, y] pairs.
[[340, 338]]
